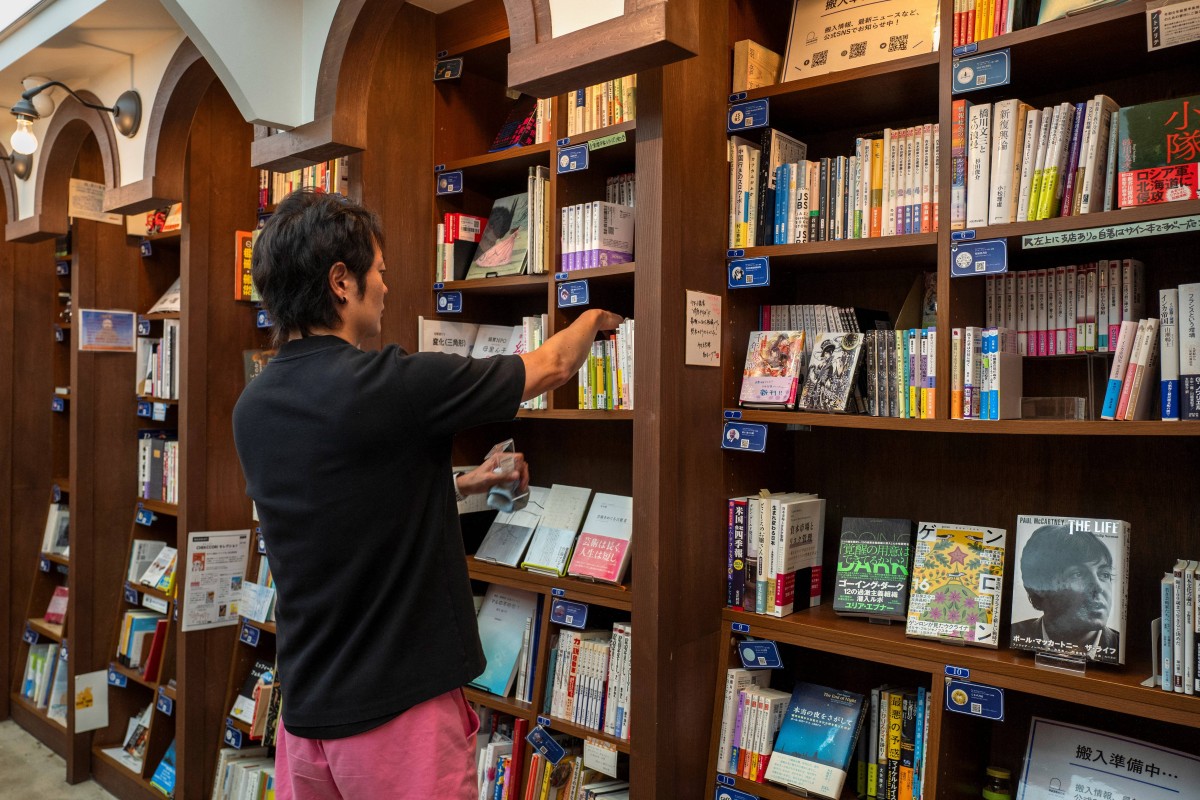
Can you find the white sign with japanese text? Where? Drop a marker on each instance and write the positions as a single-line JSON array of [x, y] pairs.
[[212, 580]]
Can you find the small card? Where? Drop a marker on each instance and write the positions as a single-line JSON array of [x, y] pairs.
[[541, 740], [600, 756], [91, 701]]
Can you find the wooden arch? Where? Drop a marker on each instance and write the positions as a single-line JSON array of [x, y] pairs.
[[8, 186], [187, 78], [69, 128]]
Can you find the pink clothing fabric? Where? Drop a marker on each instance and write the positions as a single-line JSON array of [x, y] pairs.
[[428, 751]]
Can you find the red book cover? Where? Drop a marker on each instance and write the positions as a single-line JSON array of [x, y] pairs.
[[56, 612]]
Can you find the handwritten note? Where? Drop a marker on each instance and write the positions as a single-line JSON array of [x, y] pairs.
[[703, 330]]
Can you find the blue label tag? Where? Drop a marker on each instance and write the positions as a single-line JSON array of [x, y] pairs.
[[981, 72], [131, 595], [725, 793], [44, 564], [450, 182], [62, 268], [58, 404], [985, 257], [732, 414], [143, 327], [146, 249], [117, 679], [249, 634], [573, 159], [965, 49], [759, 654], [962, 236], [438, 168], [59, 334], [562, 276], [442, 54], [572, 615], [975, 699], [145, 409], [958, 672], [737, 97], [262, 319], [437, 287], [29, 636], [449, 302], [62, 651], [574, 293], [563, 142], [539, 739], [164, 704], [143, 517], [262, 543], [233, 737], [740, 627], [748, 436], [748, 116], [448, 69], [175, 613], [557, 592], [57, 493], [735, 253], [745, 272]]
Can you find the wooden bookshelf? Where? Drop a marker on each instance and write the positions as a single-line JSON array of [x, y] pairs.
[[618, 415], [1027, 427], [50, 630], [573, 589], [529, 285]]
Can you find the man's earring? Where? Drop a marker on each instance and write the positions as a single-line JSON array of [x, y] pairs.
[[342, 299]]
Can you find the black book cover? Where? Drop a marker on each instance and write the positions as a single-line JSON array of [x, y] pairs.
[[874, 563]]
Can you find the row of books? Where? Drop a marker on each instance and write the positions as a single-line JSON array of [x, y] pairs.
[[986, 374], [140, 643], [976, 20], [621, 189], [158, 465], [499, 744], [56, 538], [813, 319], [1067, 310], [44, 683], [606, 378], [513, 241], [601, 105], [1180, 669], [596, 234], [158, 363], [329, 176], [775, 552], [159, 570], [900, 370], [575, 781], [1129, 391], [588, 682], [245, 774], [484, 341]]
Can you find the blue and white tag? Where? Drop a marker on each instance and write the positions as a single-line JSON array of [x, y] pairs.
[[57, 492], [164, 703], [569, 614], [726, 792], [143, 516], [746, 272], [262, 543], [759, 654], [143, 326], [262, 319], [62, 268], [975, 699], [748, 116], [449, 302], [232, 737], [145, 409], [573, 293], [44, 564], [540, 740], [58, 405], [249, 634], [116, 678], [732, 413], [29, 636], [450, 182], [957, 672], [146, 248], [747, 436], [59, 334], [448, 69], [981, 72], [573, 159], [131, 595], [984, 257]]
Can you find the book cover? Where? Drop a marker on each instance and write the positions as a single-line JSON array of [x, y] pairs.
[[504, 244], [1070, 587], [501, 628], [957, 580], [57, 536], [56, 611], [170, 301], [243, 284], [754, 66], [243, 706], [832, 373], [510, 532], [255, 361], [519, 128], [163, 778], [554, 537], [1158, 161], [443, 336], [602, 552], [771, 377], [816, 740], [874, 559]]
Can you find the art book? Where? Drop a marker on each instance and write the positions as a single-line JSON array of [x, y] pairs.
[[817, 739], [504, 245], [771, 378], [832, 371], [502, 620], [874, 559], [602, 552], [957, 578], [1071, 586]]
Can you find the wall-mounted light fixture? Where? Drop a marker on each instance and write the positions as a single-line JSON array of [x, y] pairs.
[[22, 164], [127, 115]]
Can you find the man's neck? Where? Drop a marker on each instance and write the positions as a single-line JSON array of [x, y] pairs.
[[340, 332]]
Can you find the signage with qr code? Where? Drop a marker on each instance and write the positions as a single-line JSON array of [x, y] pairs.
[[981, 72], [748, 116], [974, 699], [746, 436]]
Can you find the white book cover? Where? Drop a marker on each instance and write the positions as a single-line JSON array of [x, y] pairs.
[[1189, 628], [1060, 309], [1143, 378], [1089, 325], [1168, 343], [603, 550], [1033, 125], [495, 340], [1095, 167], [501, 626], [1003, 155], [141, 556], [1042, 323], [510, 532], [1048, 119], [979, 131], [1116, 375], [1189, 351], [56, 536], [1010, 301], [1023, 313], [443, 336], [555, 534]]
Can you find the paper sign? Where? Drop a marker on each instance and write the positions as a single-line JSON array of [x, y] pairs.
[[606, 141], [212, 579], [703, 348], [85, 200], [164, 703], [91, 701], [262, 319], [1169, 23], [975, 699], [1110, 233], [573, 159], [748, 436], [759, 654], [107, 331], [600, 756], [448, 69], [981, 72]]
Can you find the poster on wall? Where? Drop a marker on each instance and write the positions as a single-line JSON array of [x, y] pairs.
[[212, 579], [85, 200]]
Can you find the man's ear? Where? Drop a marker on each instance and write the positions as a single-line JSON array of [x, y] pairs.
[[341, 282]]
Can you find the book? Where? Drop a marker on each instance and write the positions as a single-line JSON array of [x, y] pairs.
[[957, 581], [163, 778], [56, 538], [1158, 161], [243, 279], [243, 705], [171, 300], [1070, 587], [771, 377], [874, 560], [56, 611], [1189, 351], [445, 336], [603, 550], [554, 537], [504, 244], [1168, 345], [160, 575], [832, 373], [502, 620], [255, 361], [816, 740], [520, 126], [754, 66], [510, 532]]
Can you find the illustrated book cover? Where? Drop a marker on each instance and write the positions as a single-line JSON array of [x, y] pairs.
[[957, 581]]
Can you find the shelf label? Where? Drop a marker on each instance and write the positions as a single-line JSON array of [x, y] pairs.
[[737, 97], [563, 142], [966, 49], [562, 276], [442, 54], [962, 236], [539, 739], [557, 592], [732, 413], [1110, 233], [155, 603], [729, 793], [569, 614], [748, 116], [145, 409], [448, 69], [175, 612], [957, 672], [574, 293], [449, 302], [62, 651], [262, 319], [606, 141], [437, 287], [759, 654], [450, 182], [164, 703], [59, 334], [58, 404], [985, 257], [573, 159], [740, 627], [44, 564], [146, 248], [438, 168], [981, 72], [131, 595], [262, 543], [745, 272], [232, 737], [116, 679], [738, 253], [249, 634], [57, 492], [62, 268], [143, 516], [143, 326], [747, 436], [29, 636], [975, 699]]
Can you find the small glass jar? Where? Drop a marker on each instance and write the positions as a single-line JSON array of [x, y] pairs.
[[997, 786]]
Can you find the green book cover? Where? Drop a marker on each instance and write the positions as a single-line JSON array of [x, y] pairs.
[[1158, 152], [873, 568]]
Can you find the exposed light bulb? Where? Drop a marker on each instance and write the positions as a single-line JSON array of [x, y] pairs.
[[23, 140]]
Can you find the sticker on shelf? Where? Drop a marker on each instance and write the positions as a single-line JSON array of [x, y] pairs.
[[746, 436], [448, 69], [262, 319], [983, 71], [262, 543], [540, 740], [146, 248], [569, 614], [748, 116], [437, 287], [965, 49], [62, 268], [155, 603], [573, 159], [975, 699], [573, 293], [985, 257], [759, 654], [730, 793], [145, 409], [159, 412], [962, 236], [44, 564], [131, 595], [442, 54], [735, 253], [957, 672], [449, 302], [1110, 233], [59, 334], [143, 516], [450, 182], [557, 592], [164, 703], [233, 737], [249, 634], [58, 405], [740, 627], [30, 636], [562, 276], [541, 720], [116, 678], [607, 141], [732, 413], [749, 272]]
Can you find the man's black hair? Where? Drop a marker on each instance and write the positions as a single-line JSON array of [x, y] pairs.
[[1052, 549], [308, 233]]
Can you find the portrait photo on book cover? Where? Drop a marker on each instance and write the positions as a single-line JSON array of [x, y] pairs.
[[1069, 588]]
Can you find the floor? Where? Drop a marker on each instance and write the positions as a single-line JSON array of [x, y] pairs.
[[30, 769]]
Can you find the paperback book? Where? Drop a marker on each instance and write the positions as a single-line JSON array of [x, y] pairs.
[[510, 532], [603, 550], [873, 568], [502, 622], [817, 740], [555, 535], [504, 244], [832, 371], [957, 581], [771, 377]]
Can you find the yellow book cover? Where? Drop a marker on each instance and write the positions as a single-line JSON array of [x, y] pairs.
[[876, 187]]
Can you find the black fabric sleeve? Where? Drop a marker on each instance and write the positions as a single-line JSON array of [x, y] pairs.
[[450, 393]]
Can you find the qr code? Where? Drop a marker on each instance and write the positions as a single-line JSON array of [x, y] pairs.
[[858, 49], [820, 59], [896, 43], [976, 708], [981, 80]]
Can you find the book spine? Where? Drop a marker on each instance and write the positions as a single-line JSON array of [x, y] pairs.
[[956, 373], [1078, 131], [1177, 618], [1189, 351], [1168, 333], [979, 132], [1110, 172], [1189, 632], [958, 158], [1135, 354], [1167, 601], [1116, 376]]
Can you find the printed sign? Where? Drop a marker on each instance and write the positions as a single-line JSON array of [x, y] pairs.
[[131, 595], [143, 516], [58, 405], [164, 703], [85, 200], [759, 654], [702, 335], [981, 72], [957, 672], [607, 141], [748, 436], [262, 319], [748, 116], [1171, 22], [573, 159], [145, 409], [448, 69], [986, 257], [571, 615], [116, 678], [573, 293], [143, 326], [62, 268], [233, 737], [725, 792], [44, 564], [540, 740], [974, 699], [155, 603], [59, 334], [450, 182], [1111, 233], [213, 565], [146, 248], [29, 636], [449, 302], [745, 272], [249, 634]]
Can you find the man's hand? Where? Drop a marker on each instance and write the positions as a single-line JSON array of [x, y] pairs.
[[484, 477]]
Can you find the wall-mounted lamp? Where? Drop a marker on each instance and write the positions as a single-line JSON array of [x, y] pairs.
[[22, 164], [127, 115]]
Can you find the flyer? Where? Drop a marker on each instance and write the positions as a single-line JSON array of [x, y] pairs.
[[214, 567]]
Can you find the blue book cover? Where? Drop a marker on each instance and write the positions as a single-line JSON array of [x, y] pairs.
[[817, 739], [164, 776], [501, 629]]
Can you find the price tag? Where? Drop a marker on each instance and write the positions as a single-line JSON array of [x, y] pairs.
[[249, 634], [981, 72], [740, 627], [985, 257], [57, 404], [154, 603], [146, 249], [164, 703], [145, 409], [732, 794], [449, 302], [59, 334], [962, 236], [975, 699], [233, 737], [572, 615], [563, 142], [747, 436], [738, 253], [450, 182], [262, 543], [62, 268], [448, 69], [131, 595], [745, 272], [573, 293], [143, 516], [748, 116], [116, 678], [29, 636], [143, 326], [759, 654], [44, 564], [573, 159], [731, 413], [539, 739], [262, 319], [957, 672]]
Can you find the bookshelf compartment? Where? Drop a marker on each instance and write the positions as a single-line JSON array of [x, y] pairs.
[[48, 629], [505, 705], [584, 414], [509, 285], [852, 254], [506, 167]]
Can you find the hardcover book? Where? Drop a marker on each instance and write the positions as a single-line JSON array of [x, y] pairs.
[[555, 535], [1158, 161], [1070, 590], [243, 706], [812, 752], [957, 581], [502, 620], [832, 372], [510, 532], [504, 244], [771, 376], [873, 568], [602, 552]]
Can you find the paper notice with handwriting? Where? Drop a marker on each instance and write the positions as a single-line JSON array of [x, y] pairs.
[[703, 347]]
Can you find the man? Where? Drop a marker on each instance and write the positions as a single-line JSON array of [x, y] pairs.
[[348, 456], [1068, 576]]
